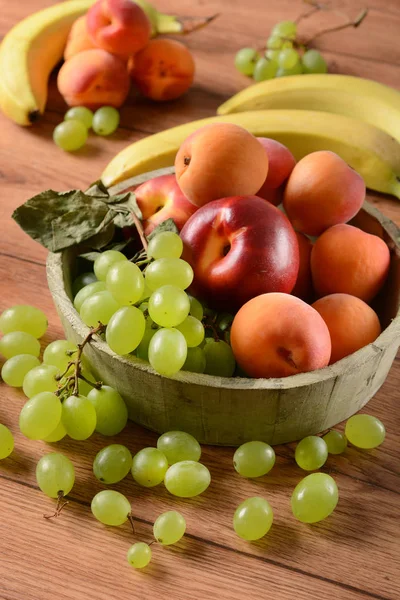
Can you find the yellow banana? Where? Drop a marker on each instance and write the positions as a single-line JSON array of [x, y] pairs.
[[370, 151], [355, 97]]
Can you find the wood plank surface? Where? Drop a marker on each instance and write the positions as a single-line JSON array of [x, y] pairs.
[[352, 555]]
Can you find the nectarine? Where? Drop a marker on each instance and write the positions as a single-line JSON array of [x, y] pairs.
[[303, 287], [78, 39], [281, 163]]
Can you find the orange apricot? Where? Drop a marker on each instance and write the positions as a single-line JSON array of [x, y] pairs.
[[78, 39], [303, 287]]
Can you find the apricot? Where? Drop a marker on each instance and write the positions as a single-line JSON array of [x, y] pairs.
[[163, 70], [351, 322], [303, 287], [276, 335], [281, 164], [347, 260], [322, 191], [94, 78], [78, 39], [218, 161], [118, 26]]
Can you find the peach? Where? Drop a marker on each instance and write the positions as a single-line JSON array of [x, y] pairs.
[[347, 260], [118, 26], [163, 70], [322, 191], [218, 161], [78, 39], [276, 335], [94, 78], [281, 164], [351, 322], [303, 287]]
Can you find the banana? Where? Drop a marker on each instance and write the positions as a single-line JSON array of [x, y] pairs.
[[355, 97], [370, 151]]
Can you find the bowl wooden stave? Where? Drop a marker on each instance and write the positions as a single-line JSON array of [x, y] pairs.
[[230, 411]]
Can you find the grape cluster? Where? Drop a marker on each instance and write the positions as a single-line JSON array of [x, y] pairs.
[[72, 133], [282, 56]]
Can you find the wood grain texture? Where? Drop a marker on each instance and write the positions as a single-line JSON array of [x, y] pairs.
[[355, 554]]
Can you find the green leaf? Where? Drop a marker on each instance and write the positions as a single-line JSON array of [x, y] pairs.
[[168, 225], [98, 189]]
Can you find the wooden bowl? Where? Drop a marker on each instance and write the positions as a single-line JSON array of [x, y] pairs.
[[230, 411]]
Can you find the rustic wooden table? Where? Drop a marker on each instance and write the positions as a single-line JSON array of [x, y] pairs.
[[352, 555]]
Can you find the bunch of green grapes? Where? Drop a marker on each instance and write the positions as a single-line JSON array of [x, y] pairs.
[[282, 56], [72, 133]]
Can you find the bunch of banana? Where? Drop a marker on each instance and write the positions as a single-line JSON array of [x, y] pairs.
[[31, 50], [369, 150]]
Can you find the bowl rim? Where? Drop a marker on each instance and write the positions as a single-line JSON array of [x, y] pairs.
[[56, 283]]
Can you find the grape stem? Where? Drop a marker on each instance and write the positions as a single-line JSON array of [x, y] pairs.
[[61, 503], [351, 23], [131, 521], [78, 363]]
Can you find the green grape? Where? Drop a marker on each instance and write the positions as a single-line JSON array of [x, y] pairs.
[[149, 466], [57, 434], [15, 369], [147, 292], [105, 261], [265, 69], [105, 120], [70, 135], [313, 62], [142, 351], [169, 528], [88, 290], [187, 478], [365, 431], [125, 282], [40, 416], [254, 459], [19, 342], [167, 351], [296, 70], [40, 379], [112, 464], [224, 321], [219, 358], [288, 58], [335, 441], [169, 271], [111, 508], [125, 330], [193, 331], [311, 453], [195, 361], [139, 555], [274, 42], [24, 318], [169, 306], [272, 55], [286, 44], [285, 29], [314, 498], [111, 410], [196, 308], [6, 442], [245, 60], [178, 446], [55, 474], [78, 417], [144, 307], [99, 307], [56, 354], [166, 244], [253, 518], [83, 280], [80, 113]]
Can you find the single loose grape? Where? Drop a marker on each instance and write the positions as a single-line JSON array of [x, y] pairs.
[[58, 434], [195, 361], [55, 474], [314, 498], [178, 446], [192, 330], [40, 416], [335, 441], [15, 369], [112, 463], [264, 69], [83, 280], [99, 307], [57, 354], [187, 479], [169, 306], [78, 417], [105, 120], [86, 291], [169, 271], [70, 135], [149, 466], [19, 342], [40, 379], [23, 317], [254, 459], [167, 351], [245, 60], [111, 508], [313, 62], [166, 244], [111, 410], [169, 528], [80, 113], [253, 518], [6, 442], [196, 308], [365, 431], [139, 555], [219, 358], [105, 261], [311, 453], [142, 351], [285, 29], [125, 282], [125, 330]]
